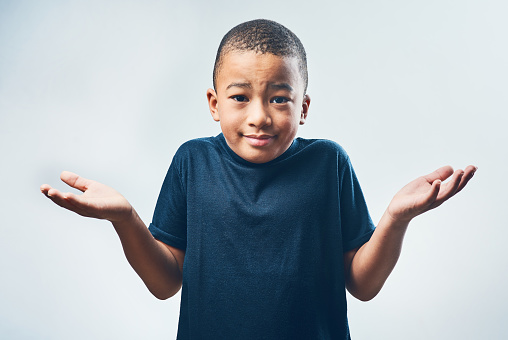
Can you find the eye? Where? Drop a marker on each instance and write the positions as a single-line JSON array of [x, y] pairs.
[[279, 100], [240, 98]]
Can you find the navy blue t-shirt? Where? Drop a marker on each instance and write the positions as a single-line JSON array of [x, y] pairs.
[[263, 243]]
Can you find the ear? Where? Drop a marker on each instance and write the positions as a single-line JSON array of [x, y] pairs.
[[305, 109], [213, 104]]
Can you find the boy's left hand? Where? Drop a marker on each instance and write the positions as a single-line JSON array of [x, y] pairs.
[[428, 192], [369, 266]]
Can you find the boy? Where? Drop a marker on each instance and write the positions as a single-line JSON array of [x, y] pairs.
[[262, 230]]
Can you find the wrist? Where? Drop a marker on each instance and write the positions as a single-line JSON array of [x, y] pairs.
[[394, 222], [125, 217]]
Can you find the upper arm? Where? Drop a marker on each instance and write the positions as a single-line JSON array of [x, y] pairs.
[[177, 253], [348, 260]]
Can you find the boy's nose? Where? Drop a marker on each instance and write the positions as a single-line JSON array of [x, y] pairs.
[[258, 116]]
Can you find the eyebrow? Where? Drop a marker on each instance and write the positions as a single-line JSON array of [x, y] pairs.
[[282, 86], [241, 85], [277, 86]]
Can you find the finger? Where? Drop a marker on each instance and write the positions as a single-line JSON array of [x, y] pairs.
[[67, 201], [45, 188], [442, 174], [80, 205], [57, 197], [468, 175], [432, 194], [450, 188], [78, 201], [75, 181]]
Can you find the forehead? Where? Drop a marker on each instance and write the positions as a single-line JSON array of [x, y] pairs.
[[258, 68]]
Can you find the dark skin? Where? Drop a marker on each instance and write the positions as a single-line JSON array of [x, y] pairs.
[[159, 265], [369, 266], [261, 120]]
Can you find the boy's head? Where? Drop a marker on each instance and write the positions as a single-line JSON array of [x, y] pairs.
[[259, 95], [262, 36]]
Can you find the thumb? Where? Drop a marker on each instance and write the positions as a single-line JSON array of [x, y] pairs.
[[75, 180]]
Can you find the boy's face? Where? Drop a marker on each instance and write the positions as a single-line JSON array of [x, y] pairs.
[[259, 103]]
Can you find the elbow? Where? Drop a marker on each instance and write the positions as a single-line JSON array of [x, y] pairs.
[[365, 297], [164, 294], [162, 297], [364, 293]]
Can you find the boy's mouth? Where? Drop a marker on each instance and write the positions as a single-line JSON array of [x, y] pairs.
[[259, 140]]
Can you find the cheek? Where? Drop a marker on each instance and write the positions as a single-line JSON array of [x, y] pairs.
[[229, 123], [291, 123]]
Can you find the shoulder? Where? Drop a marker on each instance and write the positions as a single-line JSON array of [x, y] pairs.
[[193, 153], [196, 147], [323, 147], [197, 143], [194, 156]]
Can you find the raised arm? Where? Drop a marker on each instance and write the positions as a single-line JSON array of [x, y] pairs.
[[158, 265], [368, 267]]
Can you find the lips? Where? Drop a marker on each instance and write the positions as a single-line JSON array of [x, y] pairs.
[[259, 140]]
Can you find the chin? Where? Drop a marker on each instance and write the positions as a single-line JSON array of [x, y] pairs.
[[264, 158]]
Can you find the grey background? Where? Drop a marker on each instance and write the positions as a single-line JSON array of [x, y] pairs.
[[109, 90]]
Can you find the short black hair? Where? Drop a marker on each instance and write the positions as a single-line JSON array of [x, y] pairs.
[[262, 36]]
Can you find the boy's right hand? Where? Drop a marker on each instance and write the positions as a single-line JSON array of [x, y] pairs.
[[97, 201]]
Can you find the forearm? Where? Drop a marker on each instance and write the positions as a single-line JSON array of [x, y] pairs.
[[152, 261], [158, 265], [370, 266], [375, 260]]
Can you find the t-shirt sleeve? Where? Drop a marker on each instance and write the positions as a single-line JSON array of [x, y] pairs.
[[169, 222], [357, 226]]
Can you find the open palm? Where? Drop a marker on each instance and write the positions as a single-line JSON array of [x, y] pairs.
[[428, 192], [97, 201]]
